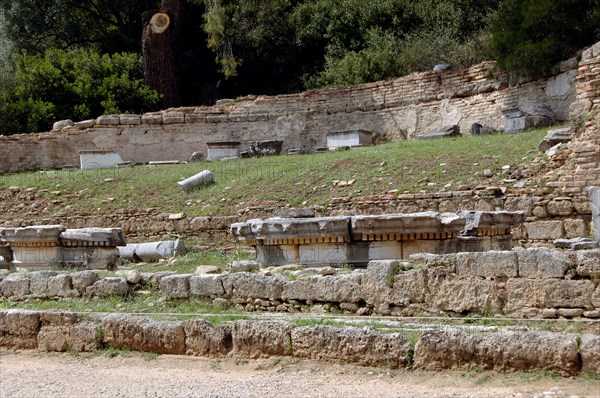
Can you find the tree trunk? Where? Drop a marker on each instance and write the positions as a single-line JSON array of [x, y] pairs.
[[159, 40]]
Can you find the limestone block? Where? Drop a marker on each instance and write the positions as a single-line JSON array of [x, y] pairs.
[[207, 285], [588, 263], [514, 351], [365, 347], [378, 281], [173, 117], [61, 124], [92, 236], [544, 293], [144, 334], [245, 284], [82, 279], [544, 230], [257, 339], [471, 294], [540, 262], [61, 286], [15, 286], [443, 263], [175, 286], [594, 193], [413, 286], [338, 288], [202, 338], [405, 224], [575, 228], [590, 353], [153, 279], [109, 286], [130, 119], [152, 118], [440, 132], [111, 120], [19, 329], [561, 207], [596, 297], [39, 283], [84, 124], [80, 337], [491, 264]]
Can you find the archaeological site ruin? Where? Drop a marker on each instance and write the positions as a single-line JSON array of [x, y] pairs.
[[448, 257]]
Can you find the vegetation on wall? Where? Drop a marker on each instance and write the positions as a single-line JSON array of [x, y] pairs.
[[228, 48]]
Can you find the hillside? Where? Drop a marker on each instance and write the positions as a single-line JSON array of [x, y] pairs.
[[296, 181]]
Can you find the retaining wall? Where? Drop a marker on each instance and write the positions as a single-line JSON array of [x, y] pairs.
[[395, 109], [530, 283], [568, 354], [547, 217]]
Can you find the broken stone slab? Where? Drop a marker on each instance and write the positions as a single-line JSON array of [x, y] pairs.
[[336, 228], [404, 224], [205, 177], [486, 221], [111, 120], [349, 139], [594, 193], [34, 234], [152, 251], [576, 243], [450, 130], [223, 150], [307, 212], [162, 162], [554, 137], [34, 247], [99, 159], [265, 148], [242, 266], [93, 237], [61, 124]]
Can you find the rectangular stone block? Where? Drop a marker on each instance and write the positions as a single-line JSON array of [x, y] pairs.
[[548, 293], [493, 264], [544, 230], [540, 262], [207, 285]]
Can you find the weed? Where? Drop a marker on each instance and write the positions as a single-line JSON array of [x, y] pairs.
[[150, 356], [72, 353], [215, 364]]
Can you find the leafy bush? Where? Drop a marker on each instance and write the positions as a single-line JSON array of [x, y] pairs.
[[77, 85]]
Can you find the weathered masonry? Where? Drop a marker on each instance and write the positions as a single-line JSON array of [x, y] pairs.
[[360, 239], [41, 247], [396, 109]]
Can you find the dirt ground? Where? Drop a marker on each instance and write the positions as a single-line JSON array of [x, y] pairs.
[[36, 374]]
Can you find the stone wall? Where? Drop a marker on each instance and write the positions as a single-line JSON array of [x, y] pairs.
[[565, 353], [582, 169], [547, 217], [530, 283], [397, 109]]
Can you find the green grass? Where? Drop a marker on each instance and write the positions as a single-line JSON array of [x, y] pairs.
[[299, 180]]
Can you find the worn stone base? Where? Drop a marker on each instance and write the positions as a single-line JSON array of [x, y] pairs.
[[567, 354]]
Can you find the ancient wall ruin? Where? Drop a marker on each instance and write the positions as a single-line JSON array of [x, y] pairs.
[[397, 109]]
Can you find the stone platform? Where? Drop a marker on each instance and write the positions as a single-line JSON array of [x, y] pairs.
[[359, 239], [43, 246]]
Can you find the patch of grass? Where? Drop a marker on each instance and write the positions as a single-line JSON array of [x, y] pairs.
[[150, 356], [269, 182], [112, 352]]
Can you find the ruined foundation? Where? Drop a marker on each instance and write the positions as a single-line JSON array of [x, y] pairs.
[[44, 246], [360, 239]]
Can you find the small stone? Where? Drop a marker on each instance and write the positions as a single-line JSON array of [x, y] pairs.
[[207, 269], [220, 303], [176, 216], [570, 312], [488, 173], [327, 271]]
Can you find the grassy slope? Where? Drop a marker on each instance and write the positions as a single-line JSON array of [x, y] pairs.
[[295, 180]]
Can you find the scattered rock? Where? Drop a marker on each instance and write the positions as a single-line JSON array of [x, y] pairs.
[[242, 266], [327, 271], [207, 269]]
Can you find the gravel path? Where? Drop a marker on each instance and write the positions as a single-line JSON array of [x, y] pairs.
[[35, 374]]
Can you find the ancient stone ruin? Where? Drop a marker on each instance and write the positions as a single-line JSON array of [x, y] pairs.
[[357, 240], [41, 247]]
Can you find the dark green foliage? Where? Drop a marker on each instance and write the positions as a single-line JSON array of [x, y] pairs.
[[78, 85], [531, 36]]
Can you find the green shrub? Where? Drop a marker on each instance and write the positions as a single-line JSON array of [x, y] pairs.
[[77, 84]]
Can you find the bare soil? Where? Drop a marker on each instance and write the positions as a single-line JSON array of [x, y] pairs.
[[36, 374]]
